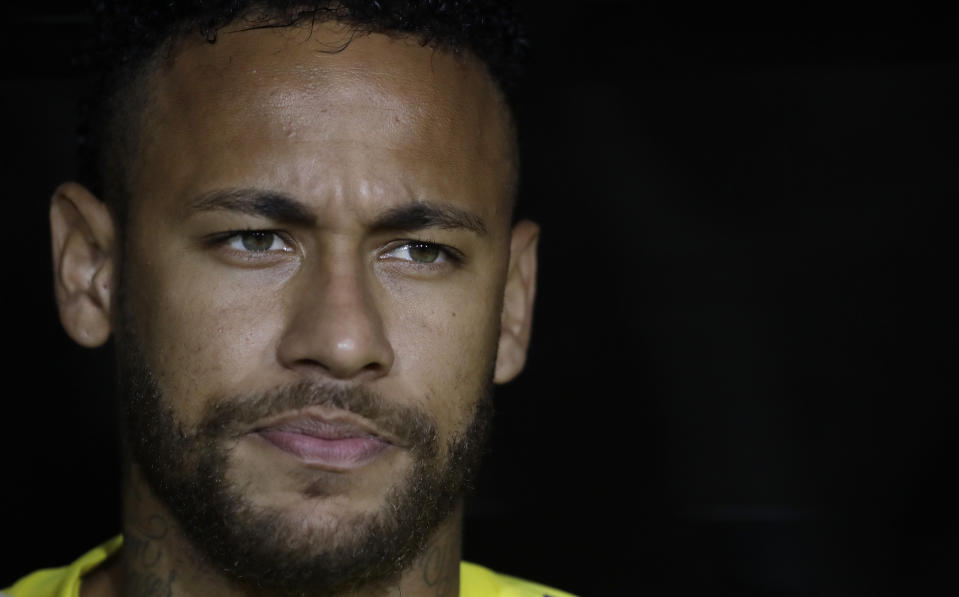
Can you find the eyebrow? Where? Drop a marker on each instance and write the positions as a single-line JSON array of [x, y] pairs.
[[420, 215], [283, 208], [266, 204]]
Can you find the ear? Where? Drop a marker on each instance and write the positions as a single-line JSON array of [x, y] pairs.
[[82, 230], [516, 322]]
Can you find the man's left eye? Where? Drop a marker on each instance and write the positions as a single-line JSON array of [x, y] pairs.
[[256, 241], [419, 252]]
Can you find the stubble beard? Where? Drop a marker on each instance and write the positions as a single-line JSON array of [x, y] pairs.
[[187, 469]]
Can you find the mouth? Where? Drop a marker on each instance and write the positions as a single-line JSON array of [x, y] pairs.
[[334, 443]]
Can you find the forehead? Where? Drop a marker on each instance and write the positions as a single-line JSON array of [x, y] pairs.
[[325, 108]]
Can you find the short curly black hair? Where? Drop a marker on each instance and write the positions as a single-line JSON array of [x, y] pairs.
[[132, 32]]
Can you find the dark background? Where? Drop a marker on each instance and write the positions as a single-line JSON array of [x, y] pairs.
[[740, 379]]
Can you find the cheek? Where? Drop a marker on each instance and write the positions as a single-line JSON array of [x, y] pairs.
[[203, 333], [446, 349]]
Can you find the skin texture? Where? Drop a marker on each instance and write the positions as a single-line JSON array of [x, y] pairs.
[[338, 298]]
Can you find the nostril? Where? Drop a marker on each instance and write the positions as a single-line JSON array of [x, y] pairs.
[[374, 369]]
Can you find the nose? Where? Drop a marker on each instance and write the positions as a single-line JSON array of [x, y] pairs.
[[335, 325]]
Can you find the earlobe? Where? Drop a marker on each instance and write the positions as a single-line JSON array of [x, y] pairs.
[[82, 232], [520, 292]]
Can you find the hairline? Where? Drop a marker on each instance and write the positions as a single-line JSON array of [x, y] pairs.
[[129, 103]]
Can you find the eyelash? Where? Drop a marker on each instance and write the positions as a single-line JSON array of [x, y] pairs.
[[450, 254], [224, 239]]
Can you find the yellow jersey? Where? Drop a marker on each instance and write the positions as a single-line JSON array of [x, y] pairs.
[[475, 581]]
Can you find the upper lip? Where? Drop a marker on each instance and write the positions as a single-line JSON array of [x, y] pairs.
[[337, 424]]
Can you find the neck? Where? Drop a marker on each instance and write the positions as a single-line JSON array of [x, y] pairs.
[[157, 560]]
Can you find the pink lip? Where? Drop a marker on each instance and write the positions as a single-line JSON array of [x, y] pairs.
[[333, 444]]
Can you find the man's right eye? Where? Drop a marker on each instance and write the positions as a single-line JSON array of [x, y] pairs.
[[257, 241]]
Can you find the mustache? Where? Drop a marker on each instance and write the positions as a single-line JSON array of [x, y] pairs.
[[234, 415]]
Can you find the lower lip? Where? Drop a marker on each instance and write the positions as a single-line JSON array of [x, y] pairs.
[[339, 453]]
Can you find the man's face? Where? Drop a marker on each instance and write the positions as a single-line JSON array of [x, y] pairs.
[[313, 281]]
